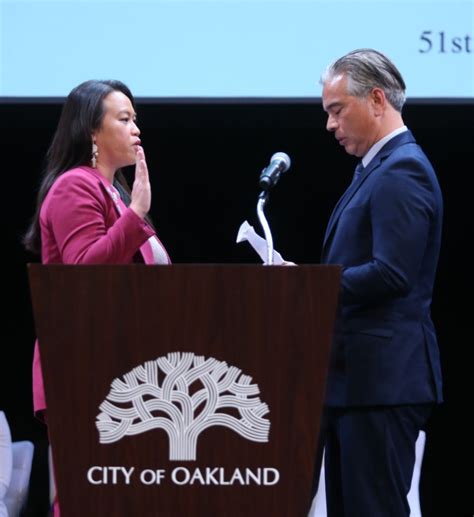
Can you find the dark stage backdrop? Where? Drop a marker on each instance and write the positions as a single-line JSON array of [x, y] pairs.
[[205, 159]]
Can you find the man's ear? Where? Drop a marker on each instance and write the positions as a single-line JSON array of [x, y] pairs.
[[378, 100]]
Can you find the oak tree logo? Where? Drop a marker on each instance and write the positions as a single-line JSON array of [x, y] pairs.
[[184, 395]]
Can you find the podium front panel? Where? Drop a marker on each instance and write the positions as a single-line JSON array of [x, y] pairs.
[[184, 390]]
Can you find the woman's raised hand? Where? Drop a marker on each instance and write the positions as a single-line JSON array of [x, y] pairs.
[[141, 190]]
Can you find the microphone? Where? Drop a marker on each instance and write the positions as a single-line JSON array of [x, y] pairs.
[[279, 163]]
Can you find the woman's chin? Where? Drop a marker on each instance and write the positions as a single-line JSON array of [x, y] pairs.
[[130, 162]]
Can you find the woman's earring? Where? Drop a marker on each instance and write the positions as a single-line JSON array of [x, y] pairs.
[[95, 154]]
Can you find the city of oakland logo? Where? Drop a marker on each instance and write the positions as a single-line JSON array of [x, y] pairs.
[[184, 395]]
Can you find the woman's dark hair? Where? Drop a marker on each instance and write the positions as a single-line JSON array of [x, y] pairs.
[[71, 147]]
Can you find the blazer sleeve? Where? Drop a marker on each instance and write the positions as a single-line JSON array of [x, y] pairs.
[[85, 226], [402, 208]]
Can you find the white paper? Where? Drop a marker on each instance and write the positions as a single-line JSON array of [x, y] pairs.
[[247, 233]]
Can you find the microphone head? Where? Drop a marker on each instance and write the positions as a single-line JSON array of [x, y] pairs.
[[284, 158], [279, 163]]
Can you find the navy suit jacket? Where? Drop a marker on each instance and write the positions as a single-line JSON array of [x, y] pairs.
[[386, 231]]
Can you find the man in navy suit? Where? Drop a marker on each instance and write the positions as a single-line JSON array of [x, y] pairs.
[[384, 376]]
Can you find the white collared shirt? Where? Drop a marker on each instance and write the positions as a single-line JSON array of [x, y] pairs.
[[378, 145]]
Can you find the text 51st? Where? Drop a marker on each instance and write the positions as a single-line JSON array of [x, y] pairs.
[[444, 43]]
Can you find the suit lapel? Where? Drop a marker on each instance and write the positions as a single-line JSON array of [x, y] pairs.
[[401, 139], [145, 249], [343, 200]]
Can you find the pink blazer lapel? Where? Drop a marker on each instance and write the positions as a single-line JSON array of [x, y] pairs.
[[145, 249]]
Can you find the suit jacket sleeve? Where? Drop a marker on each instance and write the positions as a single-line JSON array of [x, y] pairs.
[[401, 210]]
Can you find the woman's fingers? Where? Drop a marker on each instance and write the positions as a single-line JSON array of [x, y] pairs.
[[141, 190]]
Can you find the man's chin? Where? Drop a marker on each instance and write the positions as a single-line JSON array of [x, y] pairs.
[[350, 149]]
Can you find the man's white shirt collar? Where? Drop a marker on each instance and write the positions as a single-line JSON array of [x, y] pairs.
[[378, 145]]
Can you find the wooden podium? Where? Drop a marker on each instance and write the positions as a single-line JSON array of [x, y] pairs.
[[186, 390]]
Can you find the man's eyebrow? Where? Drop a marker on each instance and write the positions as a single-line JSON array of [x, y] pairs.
[[332, 105]]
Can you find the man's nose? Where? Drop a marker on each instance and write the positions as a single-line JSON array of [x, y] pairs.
[[331, 124]]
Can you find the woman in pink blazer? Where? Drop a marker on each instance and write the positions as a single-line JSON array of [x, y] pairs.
[[86, 213]]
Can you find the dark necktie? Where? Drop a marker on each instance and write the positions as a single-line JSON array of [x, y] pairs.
[[358, 170]]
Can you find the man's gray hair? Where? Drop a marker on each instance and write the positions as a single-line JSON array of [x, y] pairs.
[[366, 69]]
